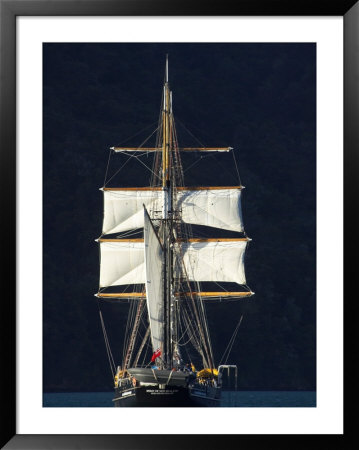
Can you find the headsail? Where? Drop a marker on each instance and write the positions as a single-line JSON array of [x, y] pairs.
[[168, 263], [153, 256]]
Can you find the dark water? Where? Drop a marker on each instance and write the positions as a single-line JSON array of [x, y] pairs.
[[242, 399]]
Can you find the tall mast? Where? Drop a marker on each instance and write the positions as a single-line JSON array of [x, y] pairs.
[[165, 132], [166, 222]]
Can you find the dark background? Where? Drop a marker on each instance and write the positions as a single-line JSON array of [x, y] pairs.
[[259, 99]]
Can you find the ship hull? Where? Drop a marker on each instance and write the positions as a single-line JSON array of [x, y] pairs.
[[169, 396], [153, 396], [205, 395]]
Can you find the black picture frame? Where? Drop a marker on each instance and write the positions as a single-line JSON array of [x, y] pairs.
[[9, 10]]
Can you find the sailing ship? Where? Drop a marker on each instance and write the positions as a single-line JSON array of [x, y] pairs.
[[164, 265]]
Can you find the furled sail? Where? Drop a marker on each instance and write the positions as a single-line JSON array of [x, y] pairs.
[[122, 262], [210, 206], [154, 287], [214, 260]]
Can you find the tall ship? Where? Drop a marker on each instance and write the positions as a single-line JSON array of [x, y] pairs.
[[152, 258]]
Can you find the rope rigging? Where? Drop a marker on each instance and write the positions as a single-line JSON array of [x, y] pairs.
[[107, 344], [188, 314], [130, 156], [231, 342]]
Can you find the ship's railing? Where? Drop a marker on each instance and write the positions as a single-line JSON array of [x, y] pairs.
[[228, 376]]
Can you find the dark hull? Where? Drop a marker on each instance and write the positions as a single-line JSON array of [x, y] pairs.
[[153, 396], [170, 396], [162, 377], [205, 395]]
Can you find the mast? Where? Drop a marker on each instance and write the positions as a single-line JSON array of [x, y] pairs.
[[166, 223], [165, 134], [168, 260]]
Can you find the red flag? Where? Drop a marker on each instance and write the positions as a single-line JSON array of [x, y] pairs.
[[156, 354]]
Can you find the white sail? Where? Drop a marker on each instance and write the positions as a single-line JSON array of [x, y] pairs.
[[122, 262], [123, 209], [214, 260], [213, 207], [159, 266], [154, 286], [219, 208]]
